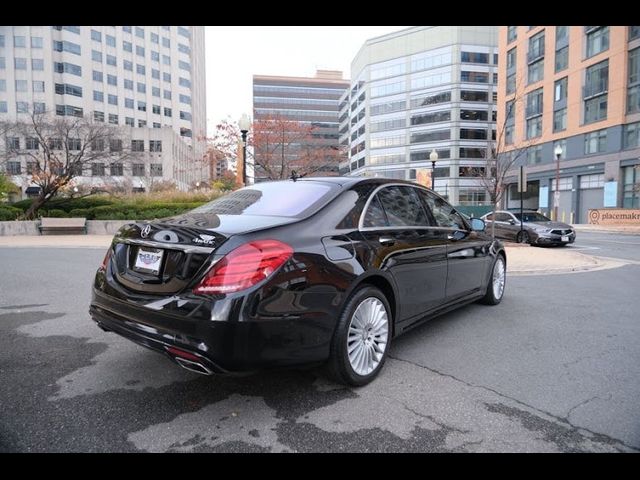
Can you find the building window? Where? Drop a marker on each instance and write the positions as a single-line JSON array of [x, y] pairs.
[[155, 56], [534, 155], [22, 107], [36, 42], [128, 84], [96, 56], [185, 132], [137, 169], [508, 134], [155, 109], [184, 65], [156, 125], [630, 179], [13, 143], [560, 120], [117, 169], [511, 58], [474, 77], [166, 76], [185, 99], [38, 86], [534, 103], [432, 117], [97, 169], [155, 91], [21, 85], [511, 83], [113, 119], [631, 135], [141, 87], [562, 33], [112, 99], [185, 116], [140, 69], [633, 85], [128, 103], [166, 94], [534, 127], [65, 88], [127, 46], [14, 168], [592, 181], [474, 57], [156, 169], [166, 42], [20, 63], [597, 40], [595, 142], [98, 116], [32, 143], [142, 123], [129, 120], [37, 64], [535, 72], [110, 40], [115, 145], [19, 41], [468, 152], [154, 38], [155, 145], [98, 145], [634, 32], [137, 145], [127, 65], [167, 112], [74, 144], [95, 35], [536, 48], [112, 80], [111, 60], [139, 32], [512, 33], [562, 59], [474, 115], [139, 51], [166, 59], [595, 92], [560, 89]]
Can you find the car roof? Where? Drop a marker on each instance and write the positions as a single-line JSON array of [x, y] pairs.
[[351, 181]]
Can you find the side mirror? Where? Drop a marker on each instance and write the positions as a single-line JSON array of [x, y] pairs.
[[477, 225], [512, 221]]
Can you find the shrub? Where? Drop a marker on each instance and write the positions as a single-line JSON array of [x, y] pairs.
[[87, 213], [9, 213], [54, 212]]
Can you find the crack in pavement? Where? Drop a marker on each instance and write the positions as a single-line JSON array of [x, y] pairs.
[[567, 423]]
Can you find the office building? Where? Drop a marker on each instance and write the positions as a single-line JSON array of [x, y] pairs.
[[574, 90], [147, 78], [311, 101], [420, 90]]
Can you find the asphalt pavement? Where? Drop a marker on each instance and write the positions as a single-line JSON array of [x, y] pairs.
[[554, 367]]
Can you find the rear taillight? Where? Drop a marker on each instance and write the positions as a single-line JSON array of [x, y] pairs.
[[105, 261], [244, 267]]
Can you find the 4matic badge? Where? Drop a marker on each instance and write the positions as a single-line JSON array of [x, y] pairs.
[[204, 239]]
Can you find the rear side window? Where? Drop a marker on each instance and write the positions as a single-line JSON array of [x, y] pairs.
[[402, 207], [503, 217], [375, 216], [280, 199]]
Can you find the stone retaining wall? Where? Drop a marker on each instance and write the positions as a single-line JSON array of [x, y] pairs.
[[94, 227]]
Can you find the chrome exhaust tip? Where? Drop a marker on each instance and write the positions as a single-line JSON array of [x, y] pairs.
[[193, 366]]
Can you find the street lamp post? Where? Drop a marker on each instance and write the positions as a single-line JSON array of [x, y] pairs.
[[433, 156], [244, 123], [556, 195]]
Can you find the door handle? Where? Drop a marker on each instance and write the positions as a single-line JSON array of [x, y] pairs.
[[386, 241]]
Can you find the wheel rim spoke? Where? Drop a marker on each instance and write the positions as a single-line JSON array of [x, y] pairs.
[[367, 336], [498, 278]]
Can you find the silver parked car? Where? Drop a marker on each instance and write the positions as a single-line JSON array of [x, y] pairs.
[[537, 229]]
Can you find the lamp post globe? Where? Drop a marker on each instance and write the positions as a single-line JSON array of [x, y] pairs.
[[433, 156]]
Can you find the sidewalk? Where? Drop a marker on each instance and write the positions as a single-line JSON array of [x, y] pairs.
[[623, 229], [521, 259]]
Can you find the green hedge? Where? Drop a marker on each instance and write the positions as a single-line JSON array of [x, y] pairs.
[[9, 213], [102, 208]]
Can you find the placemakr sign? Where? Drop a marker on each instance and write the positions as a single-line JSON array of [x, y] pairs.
[[614, 216]]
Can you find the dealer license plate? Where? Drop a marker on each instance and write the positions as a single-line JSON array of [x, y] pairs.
[[564, 238], [148, 260]]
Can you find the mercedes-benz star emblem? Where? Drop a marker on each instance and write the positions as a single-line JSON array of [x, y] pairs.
[[144, 233]]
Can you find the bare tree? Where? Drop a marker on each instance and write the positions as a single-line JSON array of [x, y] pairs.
[[59, 149], [501, 157], [278, 146]]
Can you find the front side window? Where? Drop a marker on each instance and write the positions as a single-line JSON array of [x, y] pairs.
[[444, 214]]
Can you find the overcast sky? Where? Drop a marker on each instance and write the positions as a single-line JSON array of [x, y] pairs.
[[234, 54]]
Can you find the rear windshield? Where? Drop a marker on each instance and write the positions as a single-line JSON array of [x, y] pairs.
[[279, 199]]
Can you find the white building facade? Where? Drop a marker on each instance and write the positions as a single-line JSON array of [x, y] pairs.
[[418, 90], [150, 79]]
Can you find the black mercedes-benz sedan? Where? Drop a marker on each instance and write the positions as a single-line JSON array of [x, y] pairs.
[[296, 272]]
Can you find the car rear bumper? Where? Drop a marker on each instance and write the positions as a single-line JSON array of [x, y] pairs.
[[219, 346]]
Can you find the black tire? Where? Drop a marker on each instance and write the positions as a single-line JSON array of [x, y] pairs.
[[523, 237], [490, 298], [339, 367]]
